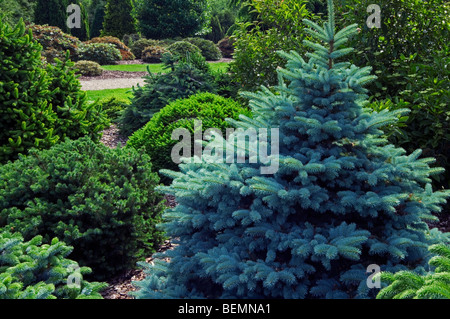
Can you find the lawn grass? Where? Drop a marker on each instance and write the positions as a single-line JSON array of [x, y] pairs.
[[104, 94], [156, 67]]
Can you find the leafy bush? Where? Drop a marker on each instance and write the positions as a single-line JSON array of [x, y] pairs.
[[119, 18], [337, 198], [139, 46], [183, 48], [226, 47], [161, 89], [278, 27], [155, 136], [409, 285], [102, 53], [124, 50], [32, 270], [88, 68], [114, 107], [208, 48], [39, 104], [129, 39], [99, 200], [54, 42], [153, 54]]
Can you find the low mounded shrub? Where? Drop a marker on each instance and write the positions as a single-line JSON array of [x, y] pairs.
[[55, 42], [102, 53], [101, 201], [155, 136], [208, 48], [32, 270], [129, 39], [124, 50], [159, 90], [114, 107], [88, 68], [226, 47], [183, 48], [153, 54], [139, 46]]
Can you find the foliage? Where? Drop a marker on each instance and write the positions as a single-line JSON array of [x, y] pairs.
[[161, 19], [408, 285], [183, 80], [223, 15], [99, 200], [156, 136], [98, 9], [14, 10], [279, 27], [226, 46], [119, 18], [153, 54], [55, 42], [102, 53], [183, 48], [124, 50], [129, 39], [114, 107], [139, 46], [32, 270], [208, 48], [51, 12], [88, 68], [225, 85], [336, 198], [82, 33]]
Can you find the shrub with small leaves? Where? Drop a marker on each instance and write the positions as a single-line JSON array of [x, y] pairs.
[[88, 68], [101, 201], [124, 50], [208, 48], [102, 53], [183, 48], [153, 54], [32, 270], [226, 47], [139, 46]]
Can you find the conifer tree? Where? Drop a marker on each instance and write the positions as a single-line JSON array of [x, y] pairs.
[[341, 200], [119, 19], [52, 12]]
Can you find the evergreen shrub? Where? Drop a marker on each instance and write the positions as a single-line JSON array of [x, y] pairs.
[[114, 107], [153, 54], [155, 136], [102, 53], [124, 50], [339, 200], [88, 68], [183, 48], [138, 46], [101, 201], [208, 48], [226, 46], [32, 270]]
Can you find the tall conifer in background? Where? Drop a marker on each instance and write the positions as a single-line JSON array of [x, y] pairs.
[[119, 19], [342, 199], [51, 12]]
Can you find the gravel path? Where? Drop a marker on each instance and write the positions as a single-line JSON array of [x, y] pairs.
[[94, 85]]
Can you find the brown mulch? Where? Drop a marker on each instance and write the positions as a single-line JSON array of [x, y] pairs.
[[111, 137]]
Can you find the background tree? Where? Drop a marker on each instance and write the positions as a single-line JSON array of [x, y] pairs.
[[52, 12], [161, 19], [16, 9], [96, 17], [119, 18]]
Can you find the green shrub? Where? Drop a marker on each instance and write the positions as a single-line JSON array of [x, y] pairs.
[[208, 48], [114, 107], [32, 270], [139, 46], [88, 68], [39, 104], [159, 90], [155, 136], [124, 50], [101, 201], [129, 39], [183, 48], [153, 54], [408, 285], [54, 42], [102, 53], [226, 47]]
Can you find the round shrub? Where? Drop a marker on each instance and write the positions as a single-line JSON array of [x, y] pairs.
[[208, 48], [129, 39], [139, 46], [39, 104], [55, 42], [32, 270], [124, 50], [226, 47], [88, 68], [102, 53], [114, 107], [101, 201], [161, 89], [155, 136], [183, 48], [153, 54]]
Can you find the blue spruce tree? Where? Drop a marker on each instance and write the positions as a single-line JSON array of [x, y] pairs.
[[342, 199]]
